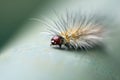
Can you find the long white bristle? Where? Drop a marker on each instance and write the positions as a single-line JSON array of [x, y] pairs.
[[91, 27]]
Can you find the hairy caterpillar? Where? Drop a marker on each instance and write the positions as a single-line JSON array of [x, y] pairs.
[[77, 30]]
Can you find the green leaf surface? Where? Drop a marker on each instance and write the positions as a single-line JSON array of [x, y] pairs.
[[28, 55]]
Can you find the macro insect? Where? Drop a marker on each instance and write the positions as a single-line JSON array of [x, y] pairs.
[[76, 30]]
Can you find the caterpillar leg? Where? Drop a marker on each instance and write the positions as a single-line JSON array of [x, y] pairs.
[[60, 46], [67, 45]]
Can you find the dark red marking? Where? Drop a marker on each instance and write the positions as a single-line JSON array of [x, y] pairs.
[[57, 40]]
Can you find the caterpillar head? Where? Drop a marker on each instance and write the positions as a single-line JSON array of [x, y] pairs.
[[57, 40]]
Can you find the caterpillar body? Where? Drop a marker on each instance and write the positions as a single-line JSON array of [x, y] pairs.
[[74, 31]]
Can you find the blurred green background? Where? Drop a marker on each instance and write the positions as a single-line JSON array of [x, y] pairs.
[[25, 53], [13, 14]]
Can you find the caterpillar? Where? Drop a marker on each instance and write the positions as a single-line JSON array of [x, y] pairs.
[[77, 30]]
